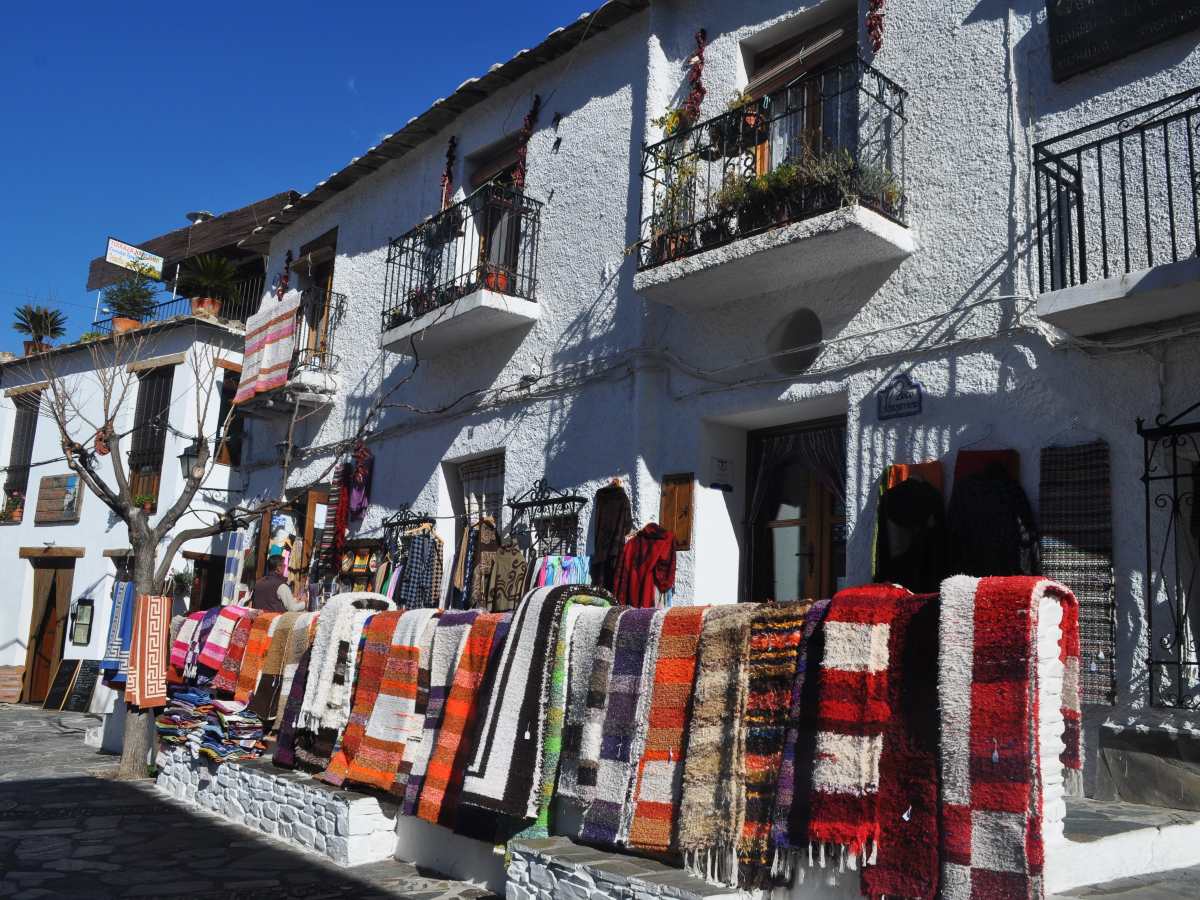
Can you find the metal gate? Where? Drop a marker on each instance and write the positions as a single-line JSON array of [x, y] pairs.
[[1171, 476]]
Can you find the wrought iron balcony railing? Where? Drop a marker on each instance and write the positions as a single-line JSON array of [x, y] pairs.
[[242, 304], [489, 240], [1120, 195], [320, 314], [830, 138]]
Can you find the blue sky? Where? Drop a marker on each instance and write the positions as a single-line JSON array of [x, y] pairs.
[[118, 119]]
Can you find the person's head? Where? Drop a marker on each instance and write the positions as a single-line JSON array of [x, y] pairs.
[[274, 565]]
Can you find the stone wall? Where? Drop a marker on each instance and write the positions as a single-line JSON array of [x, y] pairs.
[[350, 829]]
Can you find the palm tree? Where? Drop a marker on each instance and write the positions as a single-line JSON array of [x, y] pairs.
[[39, 322], [208, 275]]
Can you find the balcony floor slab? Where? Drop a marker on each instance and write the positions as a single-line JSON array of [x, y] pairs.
[[823, 247], [468, 320], [1145, 297]]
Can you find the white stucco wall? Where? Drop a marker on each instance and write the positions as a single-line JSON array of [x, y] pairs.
[[633, 389], [98, 529]]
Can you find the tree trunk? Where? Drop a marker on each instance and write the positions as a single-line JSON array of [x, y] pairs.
[[135, 754]]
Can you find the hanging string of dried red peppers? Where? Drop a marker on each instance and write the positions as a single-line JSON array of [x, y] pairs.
[[691, 107], [448, 172], [875, 24], [523, 141]]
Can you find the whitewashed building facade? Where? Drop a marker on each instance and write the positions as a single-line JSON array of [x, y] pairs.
[[1034, 296]]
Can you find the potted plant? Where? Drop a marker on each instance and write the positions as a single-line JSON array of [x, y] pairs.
[[14, 507], [496, 280], [209, 280], [88, 336], [671, 233], [672, 122], [744, 125], [131, 300], [146, 501], [41, 323]]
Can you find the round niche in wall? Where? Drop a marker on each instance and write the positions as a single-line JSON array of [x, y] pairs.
[[800, 329]]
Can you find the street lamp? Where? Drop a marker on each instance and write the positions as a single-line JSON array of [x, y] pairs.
[[189, 460]]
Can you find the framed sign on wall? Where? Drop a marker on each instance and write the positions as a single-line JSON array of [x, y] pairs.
[[60, 498], [1085, 34]]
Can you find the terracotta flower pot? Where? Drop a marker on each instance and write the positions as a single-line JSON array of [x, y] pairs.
[[32, 347], [206, 306], [17, 514], [147, 508], [122, 324], [497, 281]]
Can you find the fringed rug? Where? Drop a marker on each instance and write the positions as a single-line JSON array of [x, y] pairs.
[[581, 600], [225, 681], [416, 723], [256, 654], [990, 761], [789, 833], [602, 820], [285, 744], [1077, 550], [394, 714], [713, 806], [906, 864], [439, 796], [193, 670], [659, 773], [377, 639], [182, 641], [504, 768], [585, 640], [775, 638], [449, 641], [216, 645], [852, 713], [581, 755], [146, 686], [120, 633], [265, 696], [298, 642]]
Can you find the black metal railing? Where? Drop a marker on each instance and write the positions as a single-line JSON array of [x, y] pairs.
[[489, 240], [830, 138], [1120, 195], [320, 313], [242, 303]]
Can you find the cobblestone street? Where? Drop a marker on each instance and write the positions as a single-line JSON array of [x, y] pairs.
[[68, 830]]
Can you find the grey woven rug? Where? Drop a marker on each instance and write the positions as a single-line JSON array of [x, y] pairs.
[[1076, 544]]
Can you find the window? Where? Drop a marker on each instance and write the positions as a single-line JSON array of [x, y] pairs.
[[482, 483], [150, 431], [778, 66], [28, 407], [229, 440], [81, 625]]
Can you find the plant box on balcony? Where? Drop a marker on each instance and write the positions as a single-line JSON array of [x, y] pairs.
[[122, 324], [206, 306]]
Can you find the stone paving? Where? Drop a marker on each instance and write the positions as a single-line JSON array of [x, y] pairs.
[[67, 829]]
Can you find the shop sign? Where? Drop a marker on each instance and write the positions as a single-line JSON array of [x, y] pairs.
[[135, 259], [720, 474], [1085, 34], [902, 397]]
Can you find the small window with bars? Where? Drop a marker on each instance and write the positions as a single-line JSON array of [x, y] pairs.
[[149, 437], [482, 483], [16, 483]]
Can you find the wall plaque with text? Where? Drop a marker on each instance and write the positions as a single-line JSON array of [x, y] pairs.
[[1085, 34]]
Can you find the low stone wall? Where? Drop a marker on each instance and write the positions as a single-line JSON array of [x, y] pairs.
[[557, 869], [350, 829]]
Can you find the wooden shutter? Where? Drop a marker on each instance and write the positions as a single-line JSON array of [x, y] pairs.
[[675, 508], [28, 407]]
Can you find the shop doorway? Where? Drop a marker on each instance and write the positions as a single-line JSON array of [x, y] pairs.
[[208, 574], [796, 518], [52, 583]]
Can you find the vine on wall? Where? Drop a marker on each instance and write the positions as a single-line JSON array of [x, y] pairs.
[[448, 171]]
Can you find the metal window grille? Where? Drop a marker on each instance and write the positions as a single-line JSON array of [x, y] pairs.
[[483, 487], [29, 407], [149, 438]]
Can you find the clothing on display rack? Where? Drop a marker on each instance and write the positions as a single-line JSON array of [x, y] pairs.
[[418, 568], [362, 468], [910, 537], [647, 567], [990, 522], [612, 521], [555, 571]]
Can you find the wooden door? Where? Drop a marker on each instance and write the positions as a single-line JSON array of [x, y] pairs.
[[317, 344], [47, 628]]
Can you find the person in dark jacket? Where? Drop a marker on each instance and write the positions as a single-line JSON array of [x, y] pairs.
[[271, 592]]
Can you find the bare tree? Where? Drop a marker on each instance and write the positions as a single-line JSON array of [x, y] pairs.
[[88, 437]]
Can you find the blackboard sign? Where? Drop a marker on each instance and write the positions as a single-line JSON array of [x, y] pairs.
[[80, 696], [1085, 34], [61, 685]]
